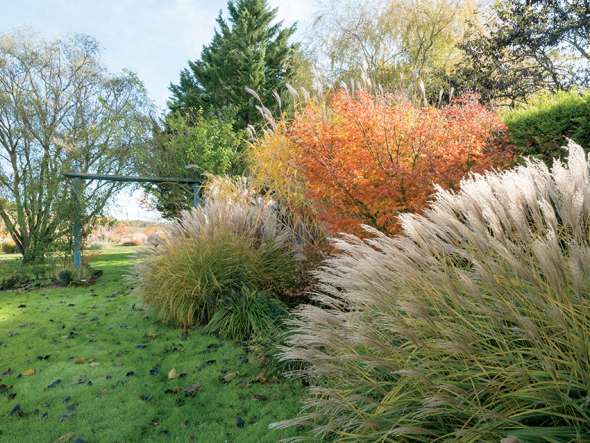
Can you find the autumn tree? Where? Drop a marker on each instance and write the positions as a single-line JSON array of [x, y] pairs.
[[61, 110], [367, 158]]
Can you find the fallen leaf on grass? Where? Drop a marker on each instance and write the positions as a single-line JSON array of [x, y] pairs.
[[227, 378], [191, 390], [83, 379], [16, 410], [65, 438], [28, 372], [172, 374], [54, 383], [261, 378], [188, 391], [175, 390], [5, 388]]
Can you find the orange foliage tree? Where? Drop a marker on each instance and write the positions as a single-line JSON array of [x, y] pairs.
[[366, 159]]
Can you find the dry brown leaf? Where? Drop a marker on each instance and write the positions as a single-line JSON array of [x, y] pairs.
[[65, 438]]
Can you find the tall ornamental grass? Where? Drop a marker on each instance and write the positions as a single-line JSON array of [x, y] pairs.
[[234, 241], [471, 326]]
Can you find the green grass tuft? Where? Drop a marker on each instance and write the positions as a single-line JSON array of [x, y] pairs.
[[245, 314]]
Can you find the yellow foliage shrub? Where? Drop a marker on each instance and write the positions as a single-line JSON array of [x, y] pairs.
[[271, 163]]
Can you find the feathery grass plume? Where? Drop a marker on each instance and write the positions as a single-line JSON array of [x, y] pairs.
[[234, 240], [473, 325]]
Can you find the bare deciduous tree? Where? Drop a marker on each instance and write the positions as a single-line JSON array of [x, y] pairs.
[[61, 110]]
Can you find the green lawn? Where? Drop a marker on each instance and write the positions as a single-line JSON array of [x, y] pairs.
[[91, 364], [8, 264]]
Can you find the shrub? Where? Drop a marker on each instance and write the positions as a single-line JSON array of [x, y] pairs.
[[274, 172], [272, 166], [70, 275], [189, 145], [97, 246], [471, 326], [245, 314], [26, 276], [15, 280], [540, 128], [65, 277], [230, 242], [130, 243], [8, 247], [366, 159]]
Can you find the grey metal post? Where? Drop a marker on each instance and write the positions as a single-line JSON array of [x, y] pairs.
[[77, 184], [196, 194], [77, 234]]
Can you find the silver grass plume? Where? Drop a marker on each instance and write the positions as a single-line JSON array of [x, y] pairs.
[[480, 309]]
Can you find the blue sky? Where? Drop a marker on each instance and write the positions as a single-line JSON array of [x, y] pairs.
[[154, 38]]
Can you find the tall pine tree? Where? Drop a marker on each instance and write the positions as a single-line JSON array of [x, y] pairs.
[[248, 50]]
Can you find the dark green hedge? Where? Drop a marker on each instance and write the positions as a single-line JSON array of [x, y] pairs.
[[540, 128]]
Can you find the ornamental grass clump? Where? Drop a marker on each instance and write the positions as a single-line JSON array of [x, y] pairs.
[[246, 314], [471, 326], [233, 241]]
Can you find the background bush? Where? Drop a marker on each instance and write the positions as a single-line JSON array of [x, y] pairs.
[[367, 158], [539, 128], [189, 145], [233, 241], [8, 247], [274, 173], [472, 326]]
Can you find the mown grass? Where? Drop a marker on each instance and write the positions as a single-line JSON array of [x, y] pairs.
[[8, 264], [112, 359]]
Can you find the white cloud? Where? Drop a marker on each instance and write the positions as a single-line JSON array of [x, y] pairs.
[[294, 10]]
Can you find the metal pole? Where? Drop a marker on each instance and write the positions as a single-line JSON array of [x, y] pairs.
[[77, 234], [196, 194]]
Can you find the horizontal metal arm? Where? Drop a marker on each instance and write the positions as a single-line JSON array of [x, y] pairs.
[[123, 178]]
